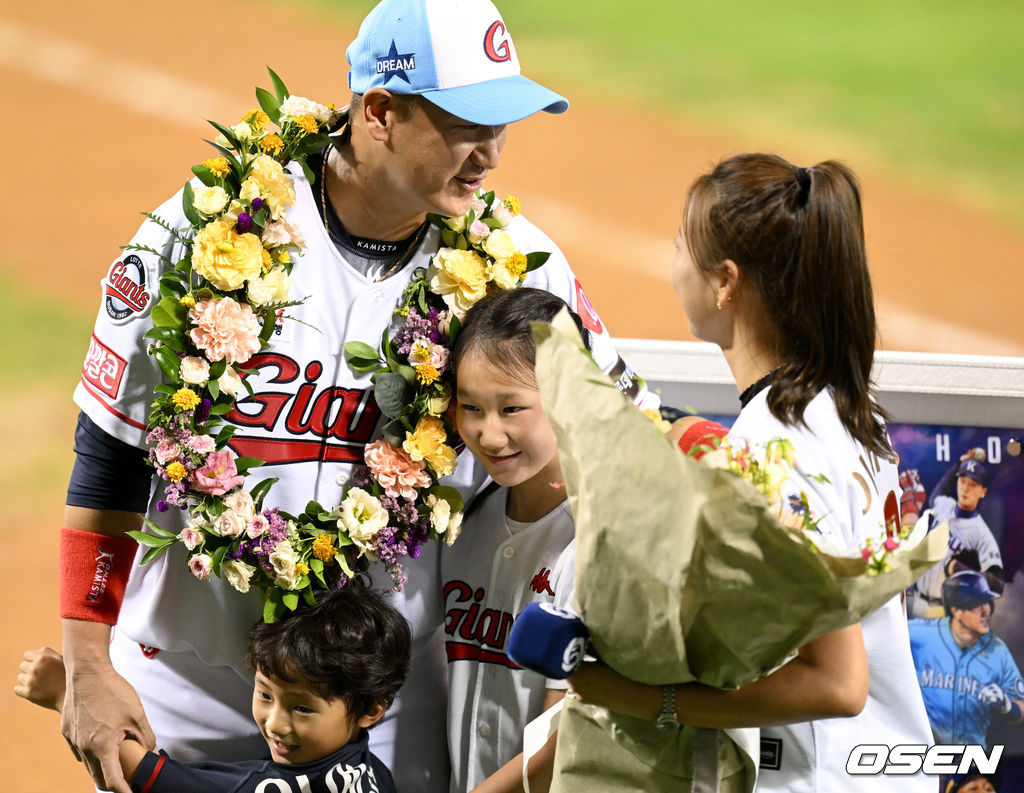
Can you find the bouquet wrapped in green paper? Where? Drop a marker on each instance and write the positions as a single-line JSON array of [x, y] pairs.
[[680, 572]]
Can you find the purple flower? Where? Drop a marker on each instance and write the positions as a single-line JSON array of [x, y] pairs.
[[257, 202], [161, 506], [244, 221], [203, 411]]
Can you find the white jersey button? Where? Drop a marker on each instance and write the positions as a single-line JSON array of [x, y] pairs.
[[509, 552], [484, 729]]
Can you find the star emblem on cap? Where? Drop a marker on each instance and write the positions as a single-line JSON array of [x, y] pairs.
[[394, 64]]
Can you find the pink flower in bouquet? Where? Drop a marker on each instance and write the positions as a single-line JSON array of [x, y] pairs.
[[201, 444], [200, 565], [257, 526], [218, 474], [166, 451], [191, 536], [225, 330], [282, 232], [891, 544], [396, 471]]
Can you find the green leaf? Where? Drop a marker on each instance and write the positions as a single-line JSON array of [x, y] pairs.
[[492, 223], [165, 388], [187, 205], [279, 86], [224, 436], [312, 143], [169, 313], [217, 368], [270, 104], [460, 243], [291, 600], [245, 463], [363, 364], [160, 531], [229, 135], [271, 604], [174, 339], [407, 372], [205, 175], [169, 363], [149, 540], [307, 171], [216, 558], [152, 553], [454, 329], [449, 494], [394, 432], [448, 237], [360, 349], [259, 492], [221, 409], [213, 387], [536, 259], [391, 392]]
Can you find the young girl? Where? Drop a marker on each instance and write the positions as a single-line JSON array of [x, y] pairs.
[[771, 267], [516, 546]]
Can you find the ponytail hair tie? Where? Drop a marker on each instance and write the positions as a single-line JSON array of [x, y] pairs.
[[803, 178]]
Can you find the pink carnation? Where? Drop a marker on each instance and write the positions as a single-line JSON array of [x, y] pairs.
[[191, 536], [257, 526], [225, 330], [200, 565], [396, 471], [282, 232], [218, 474]]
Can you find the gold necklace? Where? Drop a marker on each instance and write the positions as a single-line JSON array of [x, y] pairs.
[[406, 254]]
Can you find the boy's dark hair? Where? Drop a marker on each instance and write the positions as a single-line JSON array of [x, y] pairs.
[[352, 645], [499, 326]]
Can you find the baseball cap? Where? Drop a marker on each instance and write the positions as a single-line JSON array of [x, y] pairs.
[[457, 54], [972, 469]]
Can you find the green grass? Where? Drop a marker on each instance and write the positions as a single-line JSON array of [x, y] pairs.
[[933, 89]]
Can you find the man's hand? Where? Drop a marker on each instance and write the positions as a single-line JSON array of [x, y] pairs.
[[994, 696], [99, 709]]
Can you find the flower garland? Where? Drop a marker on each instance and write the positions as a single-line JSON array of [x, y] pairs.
[[220, 304], [768, 469]]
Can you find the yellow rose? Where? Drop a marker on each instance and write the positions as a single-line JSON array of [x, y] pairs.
[[224, 257], [459, 277], [210, 200], [271, 288], [437, 404], [499, 244], [268, 178], [428, 443]]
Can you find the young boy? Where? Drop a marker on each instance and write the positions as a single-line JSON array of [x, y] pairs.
[[324, 674]]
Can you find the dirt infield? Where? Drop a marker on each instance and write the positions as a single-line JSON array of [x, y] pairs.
[[107, 115]]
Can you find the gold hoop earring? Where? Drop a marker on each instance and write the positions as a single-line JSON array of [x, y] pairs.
[[718, 303]]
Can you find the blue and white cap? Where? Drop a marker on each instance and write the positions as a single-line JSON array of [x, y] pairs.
[[455, 53]]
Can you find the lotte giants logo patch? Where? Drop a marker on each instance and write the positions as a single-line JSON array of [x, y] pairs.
[[586, 311], [124, 291]]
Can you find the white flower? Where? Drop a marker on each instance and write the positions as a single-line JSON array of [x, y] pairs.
[[241, 503], [195, 370], [284, 558], [230, 524], [478, 205], [230, 383], [440, 513], [296, 106], [238, 574], [282, 232], [210, 200], [362, 516], [478, 232], [454, 529], [271, 288], [437, 404], [500, 212], [241, 131]]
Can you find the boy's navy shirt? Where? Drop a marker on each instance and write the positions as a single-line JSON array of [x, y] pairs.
[[351, 769]]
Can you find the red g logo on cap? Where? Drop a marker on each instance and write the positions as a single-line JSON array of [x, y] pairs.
[[501, 52]]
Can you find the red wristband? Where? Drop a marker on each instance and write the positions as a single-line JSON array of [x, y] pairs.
[[703, 433], [94, 571]]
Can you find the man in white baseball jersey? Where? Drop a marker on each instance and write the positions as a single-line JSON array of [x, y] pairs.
[[971, 544], [435, 84]]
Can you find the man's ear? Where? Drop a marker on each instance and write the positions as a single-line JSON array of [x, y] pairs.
[[378, 113], [375, 714]]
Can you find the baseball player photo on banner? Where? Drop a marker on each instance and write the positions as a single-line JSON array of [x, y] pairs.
[[967, 613]]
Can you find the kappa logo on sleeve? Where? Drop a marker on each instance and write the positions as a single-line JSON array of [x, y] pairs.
[[586, 311], [124, 291], [103, 368]]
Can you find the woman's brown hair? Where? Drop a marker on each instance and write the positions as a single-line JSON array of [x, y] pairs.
[[797, 237]]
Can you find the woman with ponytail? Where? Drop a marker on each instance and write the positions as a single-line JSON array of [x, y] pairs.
[[771, 267]]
